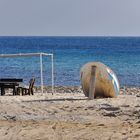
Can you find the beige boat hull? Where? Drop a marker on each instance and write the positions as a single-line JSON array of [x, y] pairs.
[[107, 84]]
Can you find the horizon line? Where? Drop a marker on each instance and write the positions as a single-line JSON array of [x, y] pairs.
[[66, 36]]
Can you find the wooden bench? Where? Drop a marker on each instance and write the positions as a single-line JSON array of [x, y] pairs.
[[12, 83], [27, 91]]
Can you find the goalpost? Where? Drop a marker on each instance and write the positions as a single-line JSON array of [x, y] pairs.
[[40, 55]]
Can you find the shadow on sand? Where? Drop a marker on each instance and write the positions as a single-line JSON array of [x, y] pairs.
[[51, 100]]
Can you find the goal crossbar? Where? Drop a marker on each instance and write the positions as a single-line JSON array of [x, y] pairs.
[[41, 64]]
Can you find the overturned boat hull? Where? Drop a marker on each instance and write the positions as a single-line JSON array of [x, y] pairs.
[[99, 80]]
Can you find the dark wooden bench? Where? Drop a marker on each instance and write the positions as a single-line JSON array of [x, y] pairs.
[[27, 91], [12, 83]]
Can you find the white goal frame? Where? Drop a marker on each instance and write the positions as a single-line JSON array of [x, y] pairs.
[[41, 65]]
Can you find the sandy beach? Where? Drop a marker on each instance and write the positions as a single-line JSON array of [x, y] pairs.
[[69, 115]]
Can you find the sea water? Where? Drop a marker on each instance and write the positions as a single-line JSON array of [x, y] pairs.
[[121, 54]]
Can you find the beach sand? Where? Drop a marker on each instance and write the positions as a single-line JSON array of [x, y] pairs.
[[70, 116]]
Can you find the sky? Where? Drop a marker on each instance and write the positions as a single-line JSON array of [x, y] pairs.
[[69, 17]]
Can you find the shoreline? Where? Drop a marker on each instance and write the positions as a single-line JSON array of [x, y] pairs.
[[78, 89]]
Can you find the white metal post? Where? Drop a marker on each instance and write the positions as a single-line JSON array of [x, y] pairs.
[[41, 72], [52, 74]]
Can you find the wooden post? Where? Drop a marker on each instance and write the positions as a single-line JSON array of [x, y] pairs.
[[92, 83]]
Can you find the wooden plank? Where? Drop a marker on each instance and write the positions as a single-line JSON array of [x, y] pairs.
[[92, 83], [12, 80]]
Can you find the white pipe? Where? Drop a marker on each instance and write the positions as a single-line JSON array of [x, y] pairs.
[[41, 72], [52, 74], [23, 54]]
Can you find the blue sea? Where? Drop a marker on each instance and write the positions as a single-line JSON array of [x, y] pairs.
[[121, 54]]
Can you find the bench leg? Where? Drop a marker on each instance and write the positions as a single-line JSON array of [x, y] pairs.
[[2, 90], [14, 91]]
